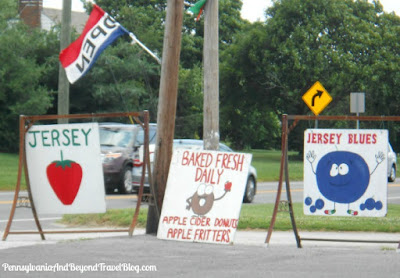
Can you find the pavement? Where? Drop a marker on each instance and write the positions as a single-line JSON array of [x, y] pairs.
[[118, 255], [249, 237]]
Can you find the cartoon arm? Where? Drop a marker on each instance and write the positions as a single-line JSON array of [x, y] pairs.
[[311, 158], [228, 186], [189, 203], [380, 157]]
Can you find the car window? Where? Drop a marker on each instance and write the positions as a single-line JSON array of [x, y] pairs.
[[188, 146], [196, 145], [224, 148], [115, 137], [152, 136]]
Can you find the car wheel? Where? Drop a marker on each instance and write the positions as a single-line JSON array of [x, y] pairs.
[[392, 175], [126, 186], [250, 190]]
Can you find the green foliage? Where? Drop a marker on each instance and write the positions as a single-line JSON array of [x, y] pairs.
[[126, 73], [349, 46], [122, 80], [265, 68], [249, 120], [7, 14], [24, 58], [189, 120]]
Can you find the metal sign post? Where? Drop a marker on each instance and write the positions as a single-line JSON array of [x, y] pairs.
[[357, 104]]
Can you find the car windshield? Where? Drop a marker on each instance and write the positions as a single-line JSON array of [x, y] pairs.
[[196, 145], [140, 136], [115, 137]]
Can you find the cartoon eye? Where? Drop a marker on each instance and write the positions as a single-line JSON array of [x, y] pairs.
[[343, 169], [201, 189], [334, 170], [209, 189]]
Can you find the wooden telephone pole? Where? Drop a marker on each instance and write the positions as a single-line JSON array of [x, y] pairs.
[[211, 77], [166, 108], [63, 83]]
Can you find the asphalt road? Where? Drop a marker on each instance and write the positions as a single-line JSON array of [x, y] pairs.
[[266, 193], [23, 219], [146, 256]]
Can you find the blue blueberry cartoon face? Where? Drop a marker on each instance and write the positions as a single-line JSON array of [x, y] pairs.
[[342, 177]]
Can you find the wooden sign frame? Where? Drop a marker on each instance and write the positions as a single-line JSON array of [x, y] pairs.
[[284, 170], [26, 122]]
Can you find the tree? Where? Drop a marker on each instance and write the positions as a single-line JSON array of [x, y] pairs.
[[127, 72], [347, 45], [24, 65], [249, 120], [189, 120]]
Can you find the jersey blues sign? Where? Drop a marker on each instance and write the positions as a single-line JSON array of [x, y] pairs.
[[345, 172]]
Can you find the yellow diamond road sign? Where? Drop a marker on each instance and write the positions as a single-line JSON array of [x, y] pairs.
[[317, 98]]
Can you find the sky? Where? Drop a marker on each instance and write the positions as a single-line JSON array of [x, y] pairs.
[[252, 10], [57, 4]]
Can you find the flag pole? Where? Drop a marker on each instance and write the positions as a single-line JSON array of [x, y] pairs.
[[135, 40]]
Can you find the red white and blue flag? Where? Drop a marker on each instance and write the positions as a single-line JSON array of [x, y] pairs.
[[99, 32]]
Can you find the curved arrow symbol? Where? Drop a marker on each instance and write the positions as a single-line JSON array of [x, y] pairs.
[[318, 94]]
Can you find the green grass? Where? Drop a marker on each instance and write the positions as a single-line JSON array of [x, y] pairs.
[[267, 164], [253, 216], [258, 216], [9, 171], [112, 218]]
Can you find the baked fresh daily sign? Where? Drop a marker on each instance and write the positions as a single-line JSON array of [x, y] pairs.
[[64, 167], [345, 172], [204, 195]]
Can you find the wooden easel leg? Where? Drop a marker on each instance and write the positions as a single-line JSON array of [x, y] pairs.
[[16, 194], [284, 168], [289, 198], [146, 162], [28, 187], [278, 194], [22, 163]]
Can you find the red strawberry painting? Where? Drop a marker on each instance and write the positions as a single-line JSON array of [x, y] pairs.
[[65, 178]]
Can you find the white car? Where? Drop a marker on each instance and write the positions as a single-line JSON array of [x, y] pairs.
[[251, 186], [392, 164]]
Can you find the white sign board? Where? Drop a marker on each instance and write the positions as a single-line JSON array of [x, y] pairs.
[[204, 195], [65, 170], [345, 172]]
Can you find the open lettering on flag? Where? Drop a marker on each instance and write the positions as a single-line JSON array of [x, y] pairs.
[[99, 32]]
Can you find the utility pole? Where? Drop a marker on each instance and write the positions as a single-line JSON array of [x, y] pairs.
[[211, 77], [166, 108], [63, 83]]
